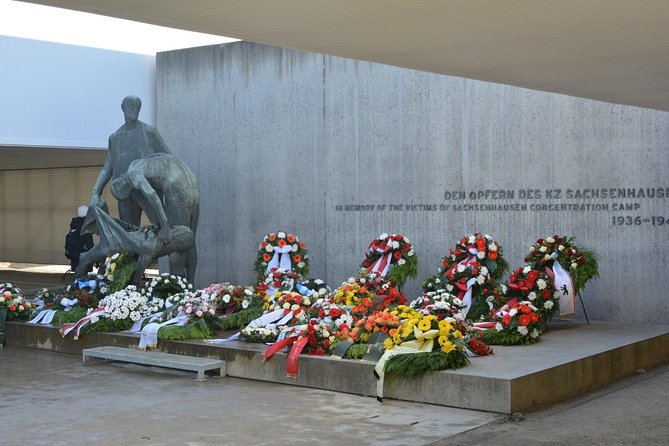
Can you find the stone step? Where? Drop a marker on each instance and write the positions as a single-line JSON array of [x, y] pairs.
[[156, 359]]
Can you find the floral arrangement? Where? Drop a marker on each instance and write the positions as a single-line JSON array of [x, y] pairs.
[[291, 301], [87, 290], [580, 263], [235, 298], [476, 262], [368, 294], [537, 287], [319, 336], [11, 299], [435, 344], [318, 286], [440, 303], [282, 250], [516, 323], [119, 269], [391, 256], [382, 321], [166, 285], [436, 282], [279, 279], [200, 309], [127, 304], [259, 334]]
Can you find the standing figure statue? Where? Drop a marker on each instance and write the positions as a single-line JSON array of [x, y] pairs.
[[133, 140], [163, 175]]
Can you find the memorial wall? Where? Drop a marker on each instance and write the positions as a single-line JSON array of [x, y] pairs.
[[338, 151]]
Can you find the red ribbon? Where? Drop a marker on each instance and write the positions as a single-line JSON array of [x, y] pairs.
[[386, 250], [277, 346], [294, 356]]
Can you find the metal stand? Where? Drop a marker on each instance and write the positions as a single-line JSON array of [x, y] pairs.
[[583, 306]]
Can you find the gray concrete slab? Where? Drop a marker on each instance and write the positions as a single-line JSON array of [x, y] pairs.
[[52, 399]]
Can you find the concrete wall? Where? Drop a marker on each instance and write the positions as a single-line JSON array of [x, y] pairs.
[[283, 139]]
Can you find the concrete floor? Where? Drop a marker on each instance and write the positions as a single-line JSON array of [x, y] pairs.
[[52, 399]]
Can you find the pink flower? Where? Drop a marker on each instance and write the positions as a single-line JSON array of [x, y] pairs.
[[199, 313]]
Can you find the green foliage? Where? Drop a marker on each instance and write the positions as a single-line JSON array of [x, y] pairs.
[[498, 268], [105, 324], [410, 365], [123, 274], [494, 337], [400, 273], [241, 319], [587, 271], [356, 351], [68, 317], [479, 309], [185, 332]]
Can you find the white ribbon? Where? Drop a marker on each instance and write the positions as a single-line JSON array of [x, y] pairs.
[[137, 326], [266, 320], [565, 286], [281, 259], [149, 337], [68, 303], [43, 317]]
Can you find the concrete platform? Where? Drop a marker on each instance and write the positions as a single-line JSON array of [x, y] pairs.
[[573, 358]]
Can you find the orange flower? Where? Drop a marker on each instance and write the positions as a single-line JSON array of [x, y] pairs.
[[12, 308], [297, 258], [480, 244], [492, 255], [302, 245], [290, 238], [506, 320], [266, 257], [263, 244], [281, 243], [524, 320], [363, 290], [272, 237]]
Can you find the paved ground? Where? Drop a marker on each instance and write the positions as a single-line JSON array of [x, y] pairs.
[[50, 399]]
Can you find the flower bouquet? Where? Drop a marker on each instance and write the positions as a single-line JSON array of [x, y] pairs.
[[282, 250], [12, 303], [391, 256], [422, 343], [279, 279], [119, 269], [516, 323], [260, 334], [535, 286], [166, 285], [579, 262], [239, 305], [476, 262], [440, 303]]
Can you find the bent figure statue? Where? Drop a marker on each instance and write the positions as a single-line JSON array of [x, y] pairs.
[[163, 175], [146, 245]]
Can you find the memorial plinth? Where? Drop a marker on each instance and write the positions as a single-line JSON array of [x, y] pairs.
[[572, 358]]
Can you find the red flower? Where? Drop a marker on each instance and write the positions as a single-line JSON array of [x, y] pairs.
[[397, 255], [546, 294], [393, 293], [524, 320], [407, 247], [506, 320], [492, 255], [297, 258], [266, 257], [533, 275], [534, 317], [334, 313], [480, 244]]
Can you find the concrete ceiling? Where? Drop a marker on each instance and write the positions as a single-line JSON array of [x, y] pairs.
[[609, 50]]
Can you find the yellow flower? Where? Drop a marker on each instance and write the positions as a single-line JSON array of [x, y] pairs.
[[424, 324], [388, 344], [397, 338], [457, 334], [447, 347], [443, 340], [445, 327]]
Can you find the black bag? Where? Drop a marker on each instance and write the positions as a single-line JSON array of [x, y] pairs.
[[72, 244]]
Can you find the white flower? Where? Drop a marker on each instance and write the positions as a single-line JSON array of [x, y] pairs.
[[460, 268], [449, 288], [498, 326], [326, 333], [548, 304], [471, 239], [492, 247], [295, 247], [522, 330], [561, 248], [513, 312], [245, 304], [532, 295], [281, 235], [226, 298], [481, 255], [301, 265], [115, 256], [543, 249], [541, 284], [534, 334], [94, 318], [527, 269], [480, 279], [395, 244], [401, 262], [574, 265], [383, 236], [532, 248], [484, 271], [550, 239]]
